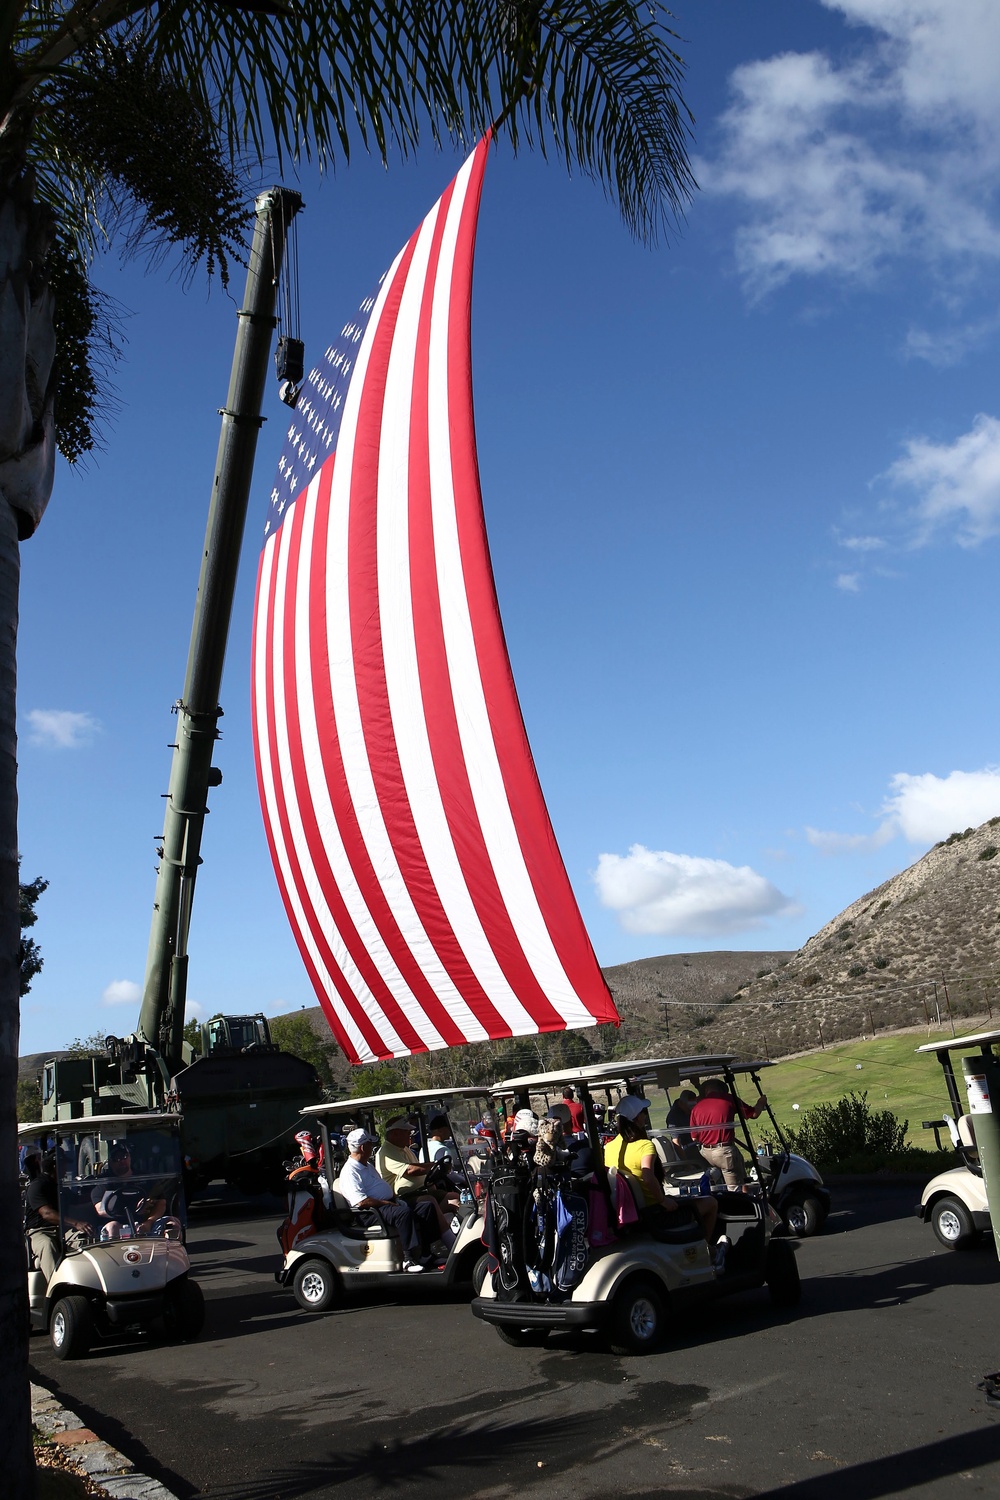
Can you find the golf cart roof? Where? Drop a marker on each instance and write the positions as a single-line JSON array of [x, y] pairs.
[[960, 1043], [731, 1067], [669, 1069], [86, 1123], [389, 1101]]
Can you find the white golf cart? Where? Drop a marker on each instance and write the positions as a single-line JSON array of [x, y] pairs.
[[954, 1202], [346, 1253], [794, 1187], [562, 1255], [121, 1231]]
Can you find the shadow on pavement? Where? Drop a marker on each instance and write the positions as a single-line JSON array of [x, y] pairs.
[[892, 1475], [432, 1457]]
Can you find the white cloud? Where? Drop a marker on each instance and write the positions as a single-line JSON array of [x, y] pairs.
[[956, 483], [61, 729], [842, 167], [927, 808], [850, 843], [654, 891], [122, 992], [923, 810], [863, 543], [849, 582]]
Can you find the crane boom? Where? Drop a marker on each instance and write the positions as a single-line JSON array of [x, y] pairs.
[[161, 1019]]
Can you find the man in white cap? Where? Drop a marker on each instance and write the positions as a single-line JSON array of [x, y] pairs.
[[374, 1201]]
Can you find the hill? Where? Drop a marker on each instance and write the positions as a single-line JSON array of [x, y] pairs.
[[920, 950]]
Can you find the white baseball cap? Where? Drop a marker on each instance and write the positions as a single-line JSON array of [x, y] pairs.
[[358, 1138], [630, 1107]]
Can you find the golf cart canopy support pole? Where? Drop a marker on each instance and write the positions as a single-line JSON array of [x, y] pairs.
[[161, 1019], [982, 1082]]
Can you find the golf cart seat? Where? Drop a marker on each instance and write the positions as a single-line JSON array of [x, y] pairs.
[[350, 1224], [684, 1234], [667, 1153]]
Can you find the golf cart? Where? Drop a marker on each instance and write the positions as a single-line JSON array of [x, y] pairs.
[[954, 1202], [121, 1230], [795, 1189], [566, 1251], [341, 1252]]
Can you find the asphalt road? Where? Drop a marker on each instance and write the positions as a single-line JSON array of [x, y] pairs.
[[867, 1390]]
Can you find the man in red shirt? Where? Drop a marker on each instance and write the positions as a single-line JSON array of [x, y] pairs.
[[713, 1131], [578, 1122]]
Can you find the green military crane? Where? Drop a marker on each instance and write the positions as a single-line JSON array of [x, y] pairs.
[[241, 1097]]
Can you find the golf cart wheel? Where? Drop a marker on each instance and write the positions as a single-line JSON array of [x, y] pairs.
[[315, 1285], [184, 1311], [522, 1338], [71, 1327], [952, 1223], [638, 1316], [480, 1271], [803, 1216], [781, 1272]]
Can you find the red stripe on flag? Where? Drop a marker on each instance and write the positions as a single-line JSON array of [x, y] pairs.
[[303, 804], [438, 693], [534, 827], [380, 739], [336, 776], [317, 852], [265, 609]]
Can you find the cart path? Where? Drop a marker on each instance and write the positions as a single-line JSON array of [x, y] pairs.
[[869, 1389]]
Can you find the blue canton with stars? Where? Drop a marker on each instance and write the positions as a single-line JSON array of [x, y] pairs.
[[315, 425]]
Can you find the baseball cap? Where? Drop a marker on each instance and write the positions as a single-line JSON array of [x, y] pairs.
[[630, 1107], [398, 1122], [526, 1120], [358, 1138]]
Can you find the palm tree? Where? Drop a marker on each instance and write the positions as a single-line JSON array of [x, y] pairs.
[[139, 123]]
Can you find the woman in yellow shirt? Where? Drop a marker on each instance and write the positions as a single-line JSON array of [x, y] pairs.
[[633, 1152]]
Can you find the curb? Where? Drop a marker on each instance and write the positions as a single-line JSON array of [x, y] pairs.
[[100, 1462]]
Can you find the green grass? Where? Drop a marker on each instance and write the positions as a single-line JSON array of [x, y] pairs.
[[889, 1068]]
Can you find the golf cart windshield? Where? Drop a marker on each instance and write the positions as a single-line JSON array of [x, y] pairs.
[[121, 1177]]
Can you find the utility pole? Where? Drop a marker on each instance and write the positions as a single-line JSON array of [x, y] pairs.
[[161, 1019]]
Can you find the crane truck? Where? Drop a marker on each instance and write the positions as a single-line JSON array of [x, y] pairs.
[[240, 1099]]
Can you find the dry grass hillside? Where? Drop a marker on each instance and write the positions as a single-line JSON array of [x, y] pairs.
[[923, 946]]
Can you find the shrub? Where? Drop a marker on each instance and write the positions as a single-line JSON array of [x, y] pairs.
[[761, 972], [880, 962], [813, 978], [856, 971], [832, 1134], [990, 852], [705, 1020], [844, 929]]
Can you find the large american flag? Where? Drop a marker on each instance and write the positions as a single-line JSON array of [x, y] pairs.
[[409, 835]]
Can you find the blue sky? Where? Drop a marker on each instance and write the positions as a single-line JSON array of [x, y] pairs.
[[743, 493]]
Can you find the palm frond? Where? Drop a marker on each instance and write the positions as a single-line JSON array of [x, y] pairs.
[[597, 80]]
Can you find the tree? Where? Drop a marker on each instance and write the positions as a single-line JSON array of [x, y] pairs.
[[30, 955], [296, 1034], [138, 122]]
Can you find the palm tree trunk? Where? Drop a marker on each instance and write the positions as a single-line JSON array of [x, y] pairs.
[[15, 1403], [27, 456]]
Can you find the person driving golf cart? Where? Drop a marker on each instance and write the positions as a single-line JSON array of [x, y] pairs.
[[41, 1216], [119, 1199], [397, 1162]]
